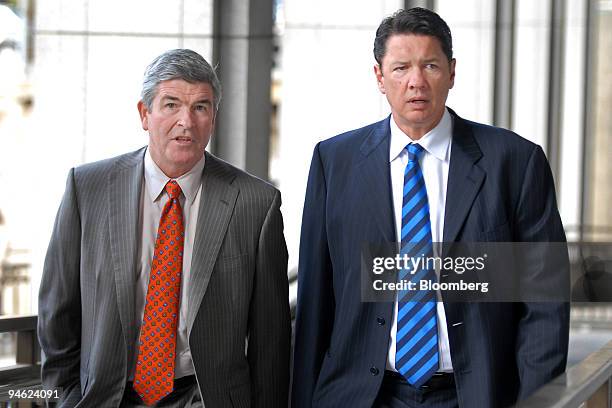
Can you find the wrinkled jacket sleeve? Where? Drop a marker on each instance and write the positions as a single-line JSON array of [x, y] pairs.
[[315, 308], [59, 304]]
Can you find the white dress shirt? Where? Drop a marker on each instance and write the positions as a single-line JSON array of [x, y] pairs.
[[434, 165], [153, 200]]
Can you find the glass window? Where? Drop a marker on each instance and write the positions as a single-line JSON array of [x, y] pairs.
[[73, 102], [598, 166], [325, 85]]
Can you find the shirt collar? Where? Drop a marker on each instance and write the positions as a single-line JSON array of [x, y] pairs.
[[435, 142], [156, 179]]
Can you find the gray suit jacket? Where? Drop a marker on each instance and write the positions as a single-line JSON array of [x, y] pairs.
[[238, 321]]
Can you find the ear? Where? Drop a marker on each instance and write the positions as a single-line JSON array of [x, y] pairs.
[[143, 112], [380, 80], [452, 73]]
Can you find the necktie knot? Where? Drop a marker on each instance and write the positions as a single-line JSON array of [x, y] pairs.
[[415, 151], [173, 189]]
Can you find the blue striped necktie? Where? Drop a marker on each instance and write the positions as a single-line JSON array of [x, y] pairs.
[[416, 355]]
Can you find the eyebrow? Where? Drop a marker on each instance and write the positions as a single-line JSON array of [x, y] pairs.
[[174, 98]]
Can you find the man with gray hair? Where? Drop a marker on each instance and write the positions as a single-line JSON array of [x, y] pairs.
[[165, 281]]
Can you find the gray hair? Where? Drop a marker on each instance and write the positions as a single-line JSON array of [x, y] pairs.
[[182, 64]]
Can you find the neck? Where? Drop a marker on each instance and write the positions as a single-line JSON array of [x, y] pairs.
[[416, 132]]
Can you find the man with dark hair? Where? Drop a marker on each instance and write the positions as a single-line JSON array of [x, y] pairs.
[[165, 281], [422, 175]]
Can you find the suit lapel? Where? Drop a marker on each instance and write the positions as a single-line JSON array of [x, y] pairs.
[[375, 175], [125, 186], [464, 178], [218, 198]]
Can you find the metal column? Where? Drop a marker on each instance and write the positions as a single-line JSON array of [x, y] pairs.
[[428, 4], [504, 61], [555, 86], [243, 45]]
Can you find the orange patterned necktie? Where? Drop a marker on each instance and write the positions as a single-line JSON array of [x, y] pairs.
[[154, 376]]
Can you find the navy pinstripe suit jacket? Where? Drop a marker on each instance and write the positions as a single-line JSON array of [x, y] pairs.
[[500, 188]]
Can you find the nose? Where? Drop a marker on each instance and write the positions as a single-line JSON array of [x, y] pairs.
[[416, 79], [184, 118]]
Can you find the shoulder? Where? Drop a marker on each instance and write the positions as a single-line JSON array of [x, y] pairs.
[[495, 142], [244, 181], [91, 180], [507, 158], [102, 168], [89, 183], [499, 136], [352, 141]]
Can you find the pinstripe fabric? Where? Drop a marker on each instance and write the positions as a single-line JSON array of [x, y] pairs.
[[238, 289], [499, 189], [417, 331]]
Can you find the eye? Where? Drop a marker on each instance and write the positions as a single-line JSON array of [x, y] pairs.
[[400, 68], [201, 108], [431, 66], [170, 105]]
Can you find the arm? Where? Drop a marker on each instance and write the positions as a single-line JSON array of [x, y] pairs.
[[270, 321], [316, 306], [59, 302], [542, 340]]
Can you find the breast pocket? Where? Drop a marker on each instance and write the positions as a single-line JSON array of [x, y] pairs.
[[501, 233], [236, 276]]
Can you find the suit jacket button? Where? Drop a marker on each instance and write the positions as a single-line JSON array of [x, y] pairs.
[[374, 371], [380, 321]]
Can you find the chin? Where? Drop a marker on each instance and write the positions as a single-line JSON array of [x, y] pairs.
[[186, 154], [418, 117], [183, 160]]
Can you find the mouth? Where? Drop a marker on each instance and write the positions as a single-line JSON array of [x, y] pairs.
[[417, 101], [183, 139]]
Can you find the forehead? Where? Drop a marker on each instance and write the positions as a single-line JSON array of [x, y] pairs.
[[413, 46], [181, 89]]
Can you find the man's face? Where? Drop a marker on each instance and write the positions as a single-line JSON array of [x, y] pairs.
[[415, 77], [180, 124]]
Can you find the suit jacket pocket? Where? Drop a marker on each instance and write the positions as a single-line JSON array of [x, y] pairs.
[[231, 262], [236, 277], [501, 233], [241, 396]]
